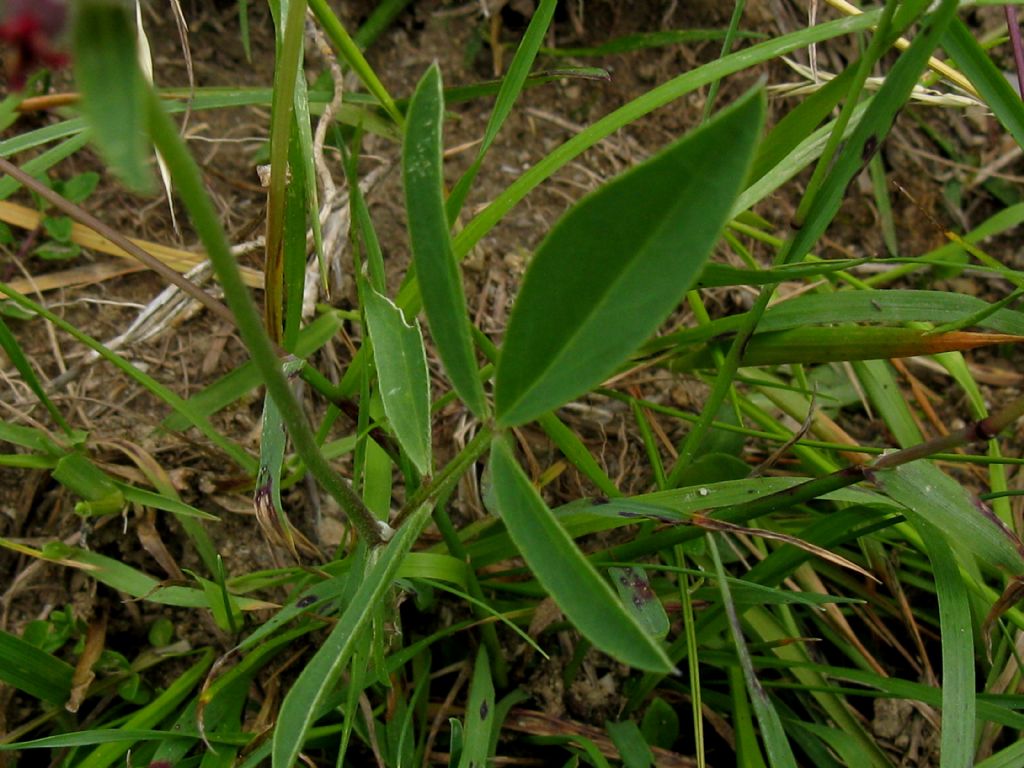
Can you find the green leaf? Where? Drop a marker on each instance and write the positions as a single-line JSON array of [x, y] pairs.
[[79, 475], [270, 513], [648, 102], [58, 228], [246, 377], [640, 600], [162, 707], [9, 344], [776, 743], [511, 86], [402, 369], [871, 130], [160, 501], [33, 671], [965, 521], [958, 683], [480, 715], [613, 268], [80, 186], [632, 746], [660, 725], [112, 88], [556, 562], [57, 251], [994, 88], [301, 706], [438, 273]]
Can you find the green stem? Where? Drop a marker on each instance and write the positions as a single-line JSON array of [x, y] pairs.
[[190, 187], [442, 485], [282, 109], [350, 53], [879, 45]]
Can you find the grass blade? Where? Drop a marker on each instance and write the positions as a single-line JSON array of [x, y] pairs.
[[511, 86], [237, 454], [774, 736], [480, 714], [301, 706], [163, 706], [958, 694], [289, 28], [870, 132], [995, 89], [17, 357], [650, 101], [33, 671], [819, 345], [965, 521], [349, 51]]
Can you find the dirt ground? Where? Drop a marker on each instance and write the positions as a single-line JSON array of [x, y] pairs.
[[229, 144]]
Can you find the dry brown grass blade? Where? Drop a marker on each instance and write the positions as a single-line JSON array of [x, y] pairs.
[[540, 724], [175, 258], [95, 641], [711, 524], [153, 543], [76, 277]]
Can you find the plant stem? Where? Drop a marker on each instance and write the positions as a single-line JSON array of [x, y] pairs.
[[441, 485], [190, 187]]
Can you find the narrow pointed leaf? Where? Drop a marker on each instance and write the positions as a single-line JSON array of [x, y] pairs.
[[402, 370], [966, 521], [614, 267], [586, 599], [876, 307], [439, 278], [301, 706], [972, 60], [32, 670], [480, 715], [826, 345], [958, 677]]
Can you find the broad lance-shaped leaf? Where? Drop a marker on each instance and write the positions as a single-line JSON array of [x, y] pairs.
[[586, 599], [402, 371], [438, 274], [614, 267]]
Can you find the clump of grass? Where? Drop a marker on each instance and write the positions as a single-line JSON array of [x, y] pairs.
[[762, 601]]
